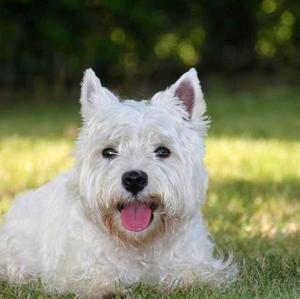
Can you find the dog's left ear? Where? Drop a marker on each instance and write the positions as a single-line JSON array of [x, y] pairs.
[[93, 95], [188, 91]]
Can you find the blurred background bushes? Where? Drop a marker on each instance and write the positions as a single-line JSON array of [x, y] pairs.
[[52, 42]]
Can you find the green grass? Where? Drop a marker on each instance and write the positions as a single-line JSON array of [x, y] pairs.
[[253, 206]]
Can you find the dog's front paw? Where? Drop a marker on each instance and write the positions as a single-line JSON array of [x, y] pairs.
[[109, 295]]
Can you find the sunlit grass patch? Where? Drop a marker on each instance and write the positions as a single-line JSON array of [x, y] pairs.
[[28, 162], [254, 192], [253, 159]]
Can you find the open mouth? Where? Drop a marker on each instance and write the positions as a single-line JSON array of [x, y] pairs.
[[137, 216]]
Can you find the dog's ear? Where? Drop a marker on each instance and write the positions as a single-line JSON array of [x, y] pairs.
[[93, 95], [188, 91]]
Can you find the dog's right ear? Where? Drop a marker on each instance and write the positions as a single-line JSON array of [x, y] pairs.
[[93, 95]]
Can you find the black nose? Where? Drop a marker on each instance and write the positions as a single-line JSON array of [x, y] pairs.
[[134, 181]]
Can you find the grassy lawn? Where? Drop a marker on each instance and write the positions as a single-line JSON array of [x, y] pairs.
[[253, 206]]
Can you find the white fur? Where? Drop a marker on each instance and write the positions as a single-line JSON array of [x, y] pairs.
[[56, 233]]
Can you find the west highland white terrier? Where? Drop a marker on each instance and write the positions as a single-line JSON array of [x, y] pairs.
[[130, 210]]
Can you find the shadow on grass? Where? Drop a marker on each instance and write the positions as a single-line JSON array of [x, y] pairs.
[[250, 191], [255, 217], [37, 120], [270, 116], [237, 201], [265, 115]]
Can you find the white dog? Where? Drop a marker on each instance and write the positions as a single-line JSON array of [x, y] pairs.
[[129, 211]]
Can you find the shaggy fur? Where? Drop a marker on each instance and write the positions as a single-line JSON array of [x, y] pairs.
[[69, 234]]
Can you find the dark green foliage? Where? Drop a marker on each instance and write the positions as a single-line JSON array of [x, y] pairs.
[[42, 41]]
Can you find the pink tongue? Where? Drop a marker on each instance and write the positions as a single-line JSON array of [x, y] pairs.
[[136, 216]]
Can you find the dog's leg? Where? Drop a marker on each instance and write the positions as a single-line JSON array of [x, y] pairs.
[[195, 261]]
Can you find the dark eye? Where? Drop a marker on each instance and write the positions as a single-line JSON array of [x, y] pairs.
[[109, 153], [162, 152]]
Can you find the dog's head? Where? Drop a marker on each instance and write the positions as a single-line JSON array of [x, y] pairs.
[[140, 164]]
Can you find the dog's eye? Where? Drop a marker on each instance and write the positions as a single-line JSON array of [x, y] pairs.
[[162, 152], [109, 153]]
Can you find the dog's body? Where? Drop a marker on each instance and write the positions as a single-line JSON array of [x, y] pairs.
[[129, 210]]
